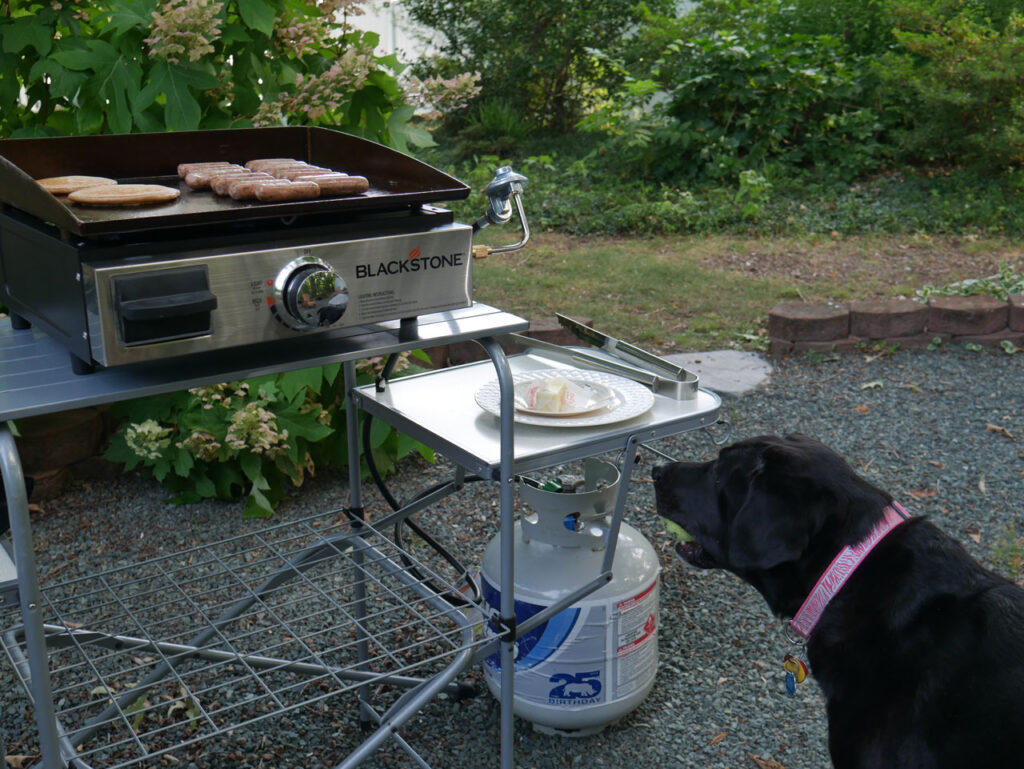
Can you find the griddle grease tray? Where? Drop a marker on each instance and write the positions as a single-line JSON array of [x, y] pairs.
[[151, 657]]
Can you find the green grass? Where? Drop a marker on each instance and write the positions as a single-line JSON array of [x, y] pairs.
[[652, 291]]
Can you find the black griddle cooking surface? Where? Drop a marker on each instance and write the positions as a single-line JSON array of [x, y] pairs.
[[396, 180]]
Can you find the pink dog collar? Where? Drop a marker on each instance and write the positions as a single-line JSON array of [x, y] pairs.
[[840, 569]]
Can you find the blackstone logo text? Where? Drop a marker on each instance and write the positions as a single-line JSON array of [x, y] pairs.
[[399, 266]]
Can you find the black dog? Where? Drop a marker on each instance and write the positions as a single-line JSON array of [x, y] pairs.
[[920, 654]]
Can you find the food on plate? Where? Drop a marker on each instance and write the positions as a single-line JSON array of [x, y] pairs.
[[62, 185], [281, 191], [124, 195], [550, 395], [337, 183]]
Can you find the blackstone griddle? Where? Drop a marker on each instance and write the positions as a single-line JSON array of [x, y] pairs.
[[125, 285]]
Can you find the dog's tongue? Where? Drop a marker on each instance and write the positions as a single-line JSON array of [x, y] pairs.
[[681, 535]]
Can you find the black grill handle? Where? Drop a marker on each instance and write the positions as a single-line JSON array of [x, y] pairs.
[[169, 306]]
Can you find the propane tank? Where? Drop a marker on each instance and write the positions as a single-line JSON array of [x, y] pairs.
[[594, 662]]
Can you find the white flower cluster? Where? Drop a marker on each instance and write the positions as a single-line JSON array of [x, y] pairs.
[[147, 439]]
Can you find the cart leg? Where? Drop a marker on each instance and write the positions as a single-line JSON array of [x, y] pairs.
[[355, 503], [31, 600], [507, 568]]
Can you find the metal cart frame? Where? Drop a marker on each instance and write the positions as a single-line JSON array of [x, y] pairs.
[[36, 379]]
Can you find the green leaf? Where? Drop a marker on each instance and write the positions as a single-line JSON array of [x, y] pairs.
[[404, 133], [120, 85], [27, 31], [257, 505], [331, 371], [182, 111], [251, 465], [197, 78], [293, 382], [99, 56], [183, 462], [379, 432], [131, 14], [258, 15], [161, 468], [301, 427], [88, 108], [64, 83], [204, 486]]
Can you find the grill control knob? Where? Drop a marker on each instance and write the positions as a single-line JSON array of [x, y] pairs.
[[309, 294]]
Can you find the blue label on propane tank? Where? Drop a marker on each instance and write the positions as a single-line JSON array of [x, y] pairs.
[[541, 643], [572, 688]]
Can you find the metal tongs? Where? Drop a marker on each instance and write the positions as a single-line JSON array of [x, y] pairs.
[[618, 357]]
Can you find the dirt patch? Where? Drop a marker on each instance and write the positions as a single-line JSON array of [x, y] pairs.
[[873, 267]]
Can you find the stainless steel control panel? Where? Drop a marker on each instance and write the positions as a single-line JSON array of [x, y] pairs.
[[144, 310]]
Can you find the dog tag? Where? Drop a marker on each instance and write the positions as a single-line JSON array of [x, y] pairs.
[[796, 673]]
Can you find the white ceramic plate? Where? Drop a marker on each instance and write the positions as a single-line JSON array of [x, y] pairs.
[[628, 399]]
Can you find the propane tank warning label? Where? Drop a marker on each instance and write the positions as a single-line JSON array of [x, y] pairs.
[[637, 648]]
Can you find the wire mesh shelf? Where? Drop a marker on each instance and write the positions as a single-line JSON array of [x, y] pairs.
[[161, 654]]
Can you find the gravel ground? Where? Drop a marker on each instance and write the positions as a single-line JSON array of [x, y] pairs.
[[938, 429]]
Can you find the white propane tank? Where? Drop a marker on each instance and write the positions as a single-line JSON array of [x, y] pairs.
[[594, 662]]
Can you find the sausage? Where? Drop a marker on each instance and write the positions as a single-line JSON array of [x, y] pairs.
[[277, 192], [294, 172], [221, 183], [185, 168], [338, 184], [245, 188], [260, 164], [200, 179]]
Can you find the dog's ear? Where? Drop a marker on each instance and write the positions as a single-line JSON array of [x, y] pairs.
[[777, 518], [768, 531]]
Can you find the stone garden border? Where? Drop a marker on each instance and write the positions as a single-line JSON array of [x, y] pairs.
[[834, 326]]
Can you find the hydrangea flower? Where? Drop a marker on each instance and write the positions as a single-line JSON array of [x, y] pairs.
[[185, 26], [147, 439], [254, 428]]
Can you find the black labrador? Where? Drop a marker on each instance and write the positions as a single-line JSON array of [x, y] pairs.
[[919, 654]]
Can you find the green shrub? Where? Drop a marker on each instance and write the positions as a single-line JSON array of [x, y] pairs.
[[117, 66], [538, 55], [252, 438], [967, 77], [743, 101]]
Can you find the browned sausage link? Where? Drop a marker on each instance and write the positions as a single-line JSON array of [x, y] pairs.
[[200, 180], [341, 184], [260, 164], [280, 171], [297, 171], [185, 168], [276, 192], [221, 184], [245, 189]]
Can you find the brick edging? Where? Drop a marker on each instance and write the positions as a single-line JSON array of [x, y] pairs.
[[823, 326]]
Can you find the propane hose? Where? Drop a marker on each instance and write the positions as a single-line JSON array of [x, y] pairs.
[[452, 597]]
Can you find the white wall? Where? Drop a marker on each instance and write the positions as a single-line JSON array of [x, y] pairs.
[[389, 19]]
